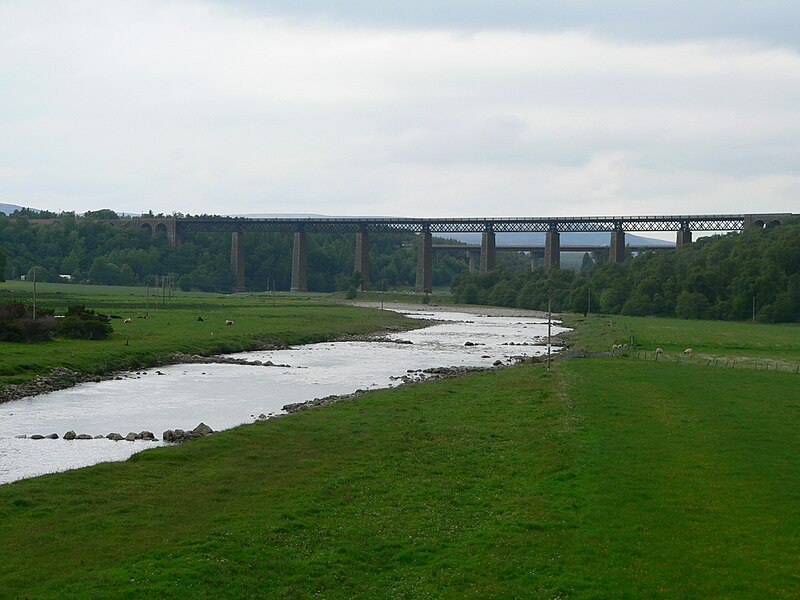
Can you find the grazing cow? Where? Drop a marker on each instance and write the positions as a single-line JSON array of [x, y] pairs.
[[128, 320], [228, 322], [688, 351], [200, 318]]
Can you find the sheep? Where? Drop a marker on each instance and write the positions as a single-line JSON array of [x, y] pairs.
[[128, 320], [688, 351], [228, 322]]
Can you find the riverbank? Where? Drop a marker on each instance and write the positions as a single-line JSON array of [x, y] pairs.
[[473, 309], [189, 325]]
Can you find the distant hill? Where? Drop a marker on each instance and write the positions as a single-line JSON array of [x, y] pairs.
[[8, 208]]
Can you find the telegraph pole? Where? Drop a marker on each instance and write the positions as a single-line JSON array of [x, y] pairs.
[[34, 291], [549, 323]]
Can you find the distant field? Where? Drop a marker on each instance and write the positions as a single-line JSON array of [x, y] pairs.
[[174, 327], [746, 344]]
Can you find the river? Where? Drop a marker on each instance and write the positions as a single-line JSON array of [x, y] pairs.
[[227, 395]]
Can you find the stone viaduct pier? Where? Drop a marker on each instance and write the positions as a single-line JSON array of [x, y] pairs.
[[363, 228]]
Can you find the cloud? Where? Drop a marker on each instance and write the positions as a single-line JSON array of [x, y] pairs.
[[771, 22], [200, 107]]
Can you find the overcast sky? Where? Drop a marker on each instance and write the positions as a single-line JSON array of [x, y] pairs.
[[451, 108]]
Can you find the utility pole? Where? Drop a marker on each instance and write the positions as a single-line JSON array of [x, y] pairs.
[[549, 323], [34, 291], [754, 310], [589, 304]]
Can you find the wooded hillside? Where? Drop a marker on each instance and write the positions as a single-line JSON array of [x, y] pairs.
[[718, 277]]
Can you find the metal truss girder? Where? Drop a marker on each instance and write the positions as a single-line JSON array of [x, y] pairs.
[[469, 225]]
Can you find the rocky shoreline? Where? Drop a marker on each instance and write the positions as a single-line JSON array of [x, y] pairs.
[[170, 436], [410, 378]]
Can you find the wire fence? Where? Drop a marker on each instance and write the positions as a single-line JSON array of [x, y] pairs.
[[687, 359]]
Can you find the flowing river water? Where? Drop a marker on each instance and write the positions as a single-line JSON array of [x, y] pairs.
[[227, 395]]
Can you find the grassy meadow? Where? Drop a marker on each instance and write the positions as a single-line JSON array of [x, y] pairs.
[[605, 477], [744, 345]]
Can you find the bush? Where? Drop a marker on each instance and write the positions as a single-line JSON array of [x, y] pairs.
[[80, 323], [18, 325]]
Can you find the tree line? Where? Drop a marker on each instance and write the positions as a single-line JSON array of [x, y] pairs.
[[738, 276], [91, 251]]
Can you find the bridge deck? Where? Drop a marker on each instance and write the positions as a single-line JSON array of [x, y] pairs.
[[469, 225]]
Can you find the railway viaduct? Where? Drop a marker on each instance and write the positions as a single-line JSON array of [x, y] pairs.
[[552, 227]]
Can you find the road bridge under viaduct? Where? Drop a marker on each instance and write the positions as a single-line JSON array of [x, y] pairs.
[[363, 228]]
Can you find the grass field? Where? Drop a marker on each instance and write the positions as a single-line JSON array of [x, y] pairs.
[[173, 326], [603, 478], [722, 342]]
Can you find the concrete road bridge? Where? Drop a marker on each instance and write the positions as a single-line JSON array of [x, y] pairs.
[[683, 225]]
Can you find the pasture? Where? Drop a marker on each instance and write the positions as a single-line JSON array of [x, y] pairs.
[[744, 345]]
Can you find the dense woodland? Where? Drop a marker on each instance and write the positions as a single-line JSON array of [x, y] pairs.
[[724, 277], [90, 251]]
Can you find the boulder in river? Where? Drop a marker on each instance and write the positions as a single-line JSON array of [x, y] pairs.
[[147, 435], [36, 436], [202, 429], [83, 436], [130, 437], [115, 436], [52, 436], [179, 435], [70, 435]]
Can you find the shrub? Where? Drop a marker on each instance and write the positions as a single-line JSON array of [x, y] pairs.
[[81, 323], [18, 325]]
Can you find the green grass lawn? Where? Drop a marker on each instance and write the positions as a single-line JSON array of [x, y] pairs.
[[173, 326]]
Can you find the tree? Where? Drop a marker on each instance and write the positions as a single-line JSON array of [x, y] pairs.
[[691, 305], [103, 213]]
